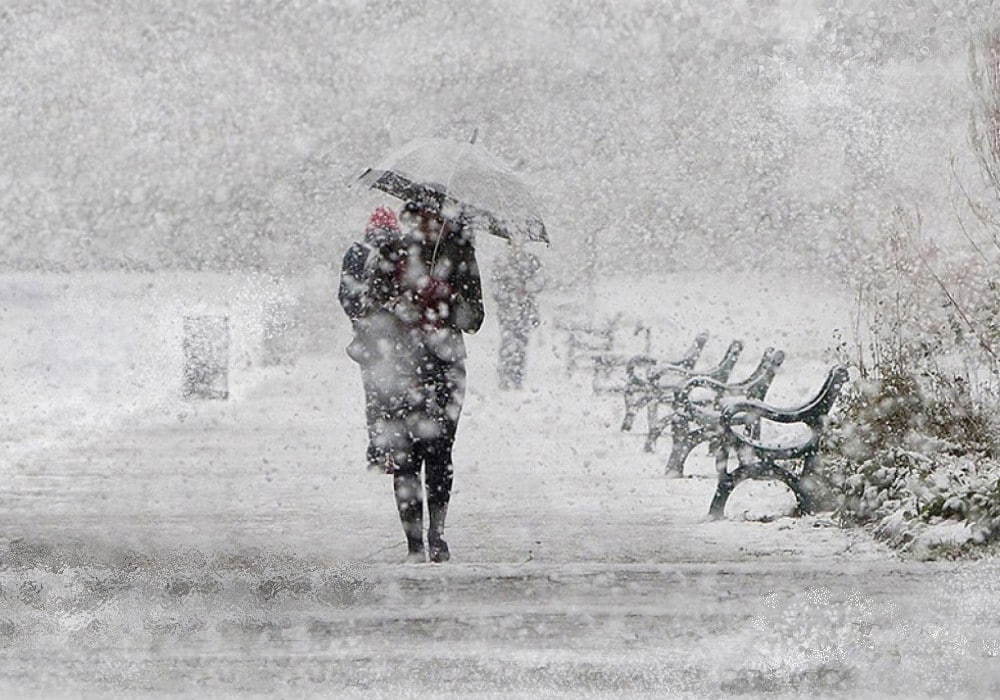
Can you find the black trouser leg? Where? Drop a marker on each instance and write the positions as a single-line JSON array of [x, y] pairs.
[[444, 406], [410, 502], [439, 476]]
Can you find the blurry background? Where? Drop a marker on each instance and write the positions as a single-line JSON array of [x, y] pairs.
[[161, 159], [658, 134]]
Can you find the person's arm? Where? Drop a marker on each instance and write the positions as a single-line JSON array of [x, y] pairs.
[[369, 278], [454, 300], [384, 268], [467, 306], [353, 291]]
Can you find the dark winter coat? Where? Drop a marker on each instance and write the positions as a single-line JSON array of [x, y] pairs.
[[367, 286], [442, 294], [407, 299]]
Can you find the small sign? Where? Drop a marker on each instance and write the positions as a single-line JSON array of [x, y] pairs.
[[206, 357]]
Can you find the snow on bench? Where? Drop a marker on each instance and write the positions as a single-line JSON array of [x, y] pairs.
[[697, 406], [652, 383], [792, 461]]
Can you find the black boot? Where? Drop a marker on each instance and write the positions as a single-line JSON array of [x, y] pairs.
[[411, 511], [438, 548]]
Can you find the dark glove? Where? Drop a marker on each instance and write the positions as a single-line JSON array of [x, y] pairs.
[[433, 291], [382, 286], [384, 273]]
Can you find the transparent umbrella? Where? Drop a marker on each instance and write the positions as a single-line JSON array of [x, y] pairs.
[[463, 182]]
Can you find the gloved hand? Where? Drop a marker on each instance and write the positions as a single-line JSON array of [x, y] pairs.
[[382, 285], [384, 268], [433, 290]]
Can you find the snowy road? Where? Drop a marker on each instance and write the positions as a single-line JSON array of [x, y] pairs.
[[697, 630]]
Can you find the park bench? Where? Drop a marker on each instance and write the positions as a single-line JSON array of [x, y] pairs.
[[584, 340], [792, 460], [697, 407], [651, 383], [611, 370]]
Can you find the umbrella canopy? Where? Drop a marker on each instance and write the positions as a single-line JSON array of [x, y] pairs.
[[462, 182]]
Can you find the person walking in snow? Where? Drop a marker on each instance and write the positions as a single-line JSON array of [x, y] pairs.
[[411, 304], [367, 284], [439, 300], [517, 279]]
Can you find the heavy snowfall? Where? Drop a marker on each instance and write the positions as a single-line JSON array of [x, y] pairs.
[[808, 175]]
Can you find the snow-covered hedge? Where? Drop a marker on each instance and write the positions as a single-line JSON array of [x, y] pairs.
[[915, 451], [917, 500], [915, 464]]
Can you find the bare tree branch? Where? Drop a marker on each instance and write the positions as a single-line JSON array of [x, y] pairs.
[[947, 292], [984, 116], [958, 215]]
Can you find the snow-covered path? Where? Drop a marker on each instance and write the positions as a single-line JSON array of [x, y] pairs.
[[241, 548]]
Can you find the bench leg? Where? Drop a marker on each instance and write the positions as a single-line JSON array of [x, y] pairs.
[[804, 501], [680, 448], [725, 484], [655, 431], [722, 490], [806, 485], [728, 482], [797, 487]]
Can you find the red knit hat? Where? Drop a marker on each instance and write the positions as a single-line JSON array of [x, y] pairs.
[[383, 218]]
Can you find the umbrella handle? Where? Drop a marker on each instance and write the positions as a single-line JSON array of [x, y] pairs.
[[437, 244]]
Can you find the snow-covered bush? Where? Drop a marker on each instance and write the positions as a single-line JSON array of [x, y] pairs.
[[903, 492], [915, 440], [912, 448]]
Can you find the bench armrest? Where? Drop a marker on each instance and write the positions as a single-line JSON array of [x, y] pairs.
[[811, 412], [720, 372], [758, 381]]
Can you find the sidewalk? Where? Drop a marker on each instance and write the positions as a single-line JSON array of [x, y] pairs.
[[542, 474]]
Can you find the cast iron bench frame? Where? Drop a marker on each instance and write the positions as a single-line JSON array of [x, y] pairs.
[[740, 425], [605, 364], [696, 419], [654, 389]]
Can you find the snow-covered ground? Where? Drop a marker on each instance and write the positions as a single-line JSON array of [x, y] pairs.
[[240, 547]]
